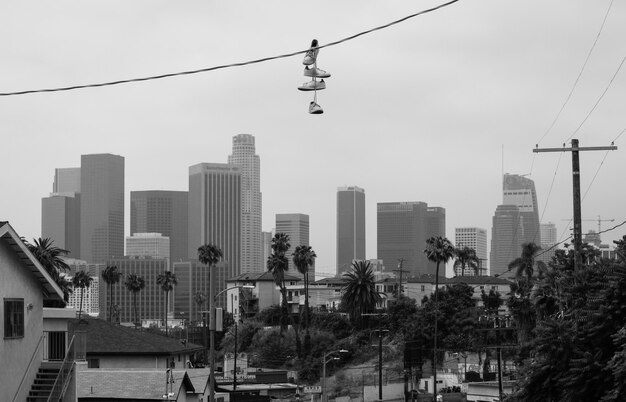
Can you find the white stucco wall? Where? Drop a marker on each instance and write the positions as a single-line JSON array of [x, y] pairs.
[[16, 281]]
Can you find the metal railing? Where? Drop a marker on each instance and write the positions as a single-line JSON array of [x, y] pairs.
[[54, 345], [32, 358], [76, 350]]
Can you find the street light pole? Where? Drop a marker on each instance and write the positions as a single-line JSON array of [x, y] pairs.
[[212, 301], [324, 361]]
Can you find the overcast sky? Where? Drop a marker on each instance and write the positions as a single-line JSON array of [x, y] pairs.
[[433, 109]]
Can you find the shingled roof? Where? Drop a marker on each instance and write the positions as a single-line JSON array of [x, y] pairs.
[[260, 277], [105, 338]]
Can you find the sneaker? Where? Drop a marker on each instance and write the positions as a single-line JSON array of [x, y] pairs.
[[311, 55], [312, 85], [315, 72], [314, 108]]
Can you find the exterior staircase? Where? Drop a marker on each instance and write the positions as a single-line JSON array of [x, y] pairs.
[[44, 381]]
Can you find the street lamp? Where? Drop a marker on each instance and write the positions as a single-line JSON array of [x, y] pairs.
[[325, 360], [212, 301]]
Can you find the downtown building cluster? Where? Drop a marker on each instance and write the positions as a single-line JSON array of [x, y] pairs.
[[84, 214]]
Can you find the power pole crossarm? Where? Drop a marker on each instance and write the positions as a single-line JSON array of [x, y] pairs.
[[575, 149]]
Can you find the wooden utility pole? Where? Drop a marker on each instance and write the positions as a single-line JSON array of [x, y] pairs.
[[400, 270], [575, 149]]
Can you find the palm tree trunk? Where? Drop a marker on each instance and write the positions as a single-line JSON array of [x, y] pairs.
[[110, 300], [80, 311], [165, 312], [435, 337], [135, 303]]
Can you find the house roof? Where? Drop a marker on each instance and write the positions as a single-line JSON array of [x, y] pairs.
[[426, 278], [478, 280], [265, 276], [199, 378], [125, 384], [337, 280], [105, 338], [50, 288]]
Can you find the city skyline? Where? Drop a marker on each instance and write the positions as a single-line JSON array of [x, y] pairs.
[[462, 95]]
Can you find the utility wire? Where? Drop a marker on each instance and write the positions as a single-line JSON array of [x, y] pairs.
[[224, 66], [599, 99], [580, 73]]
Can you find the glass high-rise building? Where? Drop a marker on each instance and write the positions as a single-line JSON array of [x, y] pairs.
[[476, 239], [296, 226], [152, 245], [215, 211], [162, 212], [150, 300], [350, 226], [244, 157], [548, 241], [520, 191], [60, 212], [507, 237], [402, 230], [101, 207], [193, 277]]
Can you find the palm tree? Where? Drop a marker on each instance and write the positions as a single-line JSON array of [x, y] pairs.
[[439, 250], [135, 283], [200, 298], [167, 280], [358, 291], [277, 264], [520, 302], [111, 275], [303, 258], [51, 258], [81, 280], [525, 264], [466, 257]]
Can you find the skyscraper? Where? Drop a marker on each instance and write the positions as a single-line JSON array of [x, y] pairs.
[[102, 207], [507, 234], [548, 241], [476, 239], [350, 226], [215, 211], [162, 212], [296, 226], [402, 229], [251, 206], [152, 245], [193, 277], [520, 191], [60, 212]]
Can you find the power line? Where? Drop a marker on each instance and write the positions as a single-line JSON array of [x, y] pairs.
[[224, 66], [599, 99], [580, 73]]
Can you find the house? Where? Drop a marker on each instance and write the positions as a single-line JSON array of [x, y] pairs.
[[263, 293], [109, 345], [24, 286]]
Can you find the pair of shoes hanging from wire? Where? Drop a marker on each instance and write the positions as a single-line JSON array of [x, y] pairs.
[[311, 70]]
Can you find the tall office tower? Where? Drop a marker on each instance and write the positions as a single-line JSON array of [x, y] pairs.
[[520, 191], [350, 226], [296, 226], [101, 207], [402, 229], [548, 241], [476, 239], [215, 211], [193, 277], [60, 212], [162, 212], [266, 247], [148, 245], [507, 237], [251, 206], [66, 180], [60, 221], [150, 300]]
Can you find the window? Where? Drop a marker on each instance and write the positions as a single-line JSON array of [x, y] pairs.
[[93, 363], [423, 287], [13, 318]]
